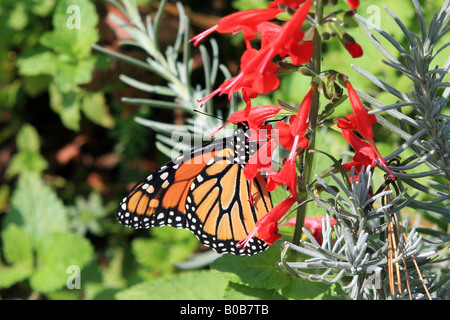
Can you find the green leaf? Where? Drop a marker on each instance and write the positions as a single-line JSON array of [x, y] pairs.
[[236, 291], [28, 159], [67, 105], [192, 285], [74, 23], [26, 162], [37, 64], [157, 260], [17, 246], [13, 275], [258, 271], [70, 74], [18, 253], [301, 289], [167, 246], [18, 18], [36, 208], [55, 254], [96, 110], [42, 8], [261, 272], [28, 139]]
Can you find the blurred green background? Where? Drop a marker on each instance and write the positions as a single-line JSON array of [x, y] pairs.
[[70, 150]]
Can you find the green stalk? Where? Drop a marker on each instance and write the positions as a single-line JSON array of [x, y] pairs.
[[306, 169]]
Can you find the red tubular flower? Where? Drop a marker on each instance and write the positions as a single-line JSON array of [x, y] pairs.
[[245, 21], [257, 69], [362, 119], [314, 224], [254, 116], [287, 176], [252, 80], [261, 160], [298, 125], [267, 226], [366, 152], [292, 137], [287, 42], [367, 155]]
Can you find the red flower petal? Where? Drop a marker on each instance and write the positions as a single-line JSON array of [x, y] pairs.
[[301, 53], [364, 120], [353, 4], [245, 21], [256, 115], [300, 123], [290, 3], [267, 225], [354, 49], [285, 137], [287, 176], [260, 160], [359, 145]]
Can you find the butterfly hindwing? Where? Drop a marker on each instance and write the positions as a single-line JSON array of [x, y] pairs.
[[204, 191]]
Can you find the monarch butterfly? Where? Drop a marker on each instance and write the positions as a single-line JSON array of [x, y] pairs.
[[204, 191]]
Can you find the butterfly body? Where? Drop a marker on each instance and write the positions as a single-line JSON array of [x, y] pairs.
[[204, 191]]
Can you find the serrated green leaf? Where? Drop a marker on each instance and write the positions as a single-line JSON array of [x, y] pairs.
[[28, 139], [96, 110], [18, 253], [26, 162], [28, 159], [55, 254], [166, 247], [38, 64], [193, 285], [18, 18], [17, 246], [71, 74], [13, 275], [67, 105], [74, 23], [36, 208]]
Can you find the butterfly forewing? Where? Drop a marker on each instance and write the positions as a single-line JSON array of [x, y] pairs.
[[204, 191]]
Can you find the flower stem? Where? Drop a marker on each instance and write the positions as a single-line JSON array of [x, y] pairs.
[[306, 169]]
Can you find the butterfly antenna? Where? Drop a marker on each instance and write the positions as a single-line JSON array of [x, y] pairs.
[[213, 116], [208, 114]]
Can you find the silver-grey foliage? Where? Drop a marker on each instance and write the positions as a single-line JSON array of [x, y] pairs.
[[355, 250]]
